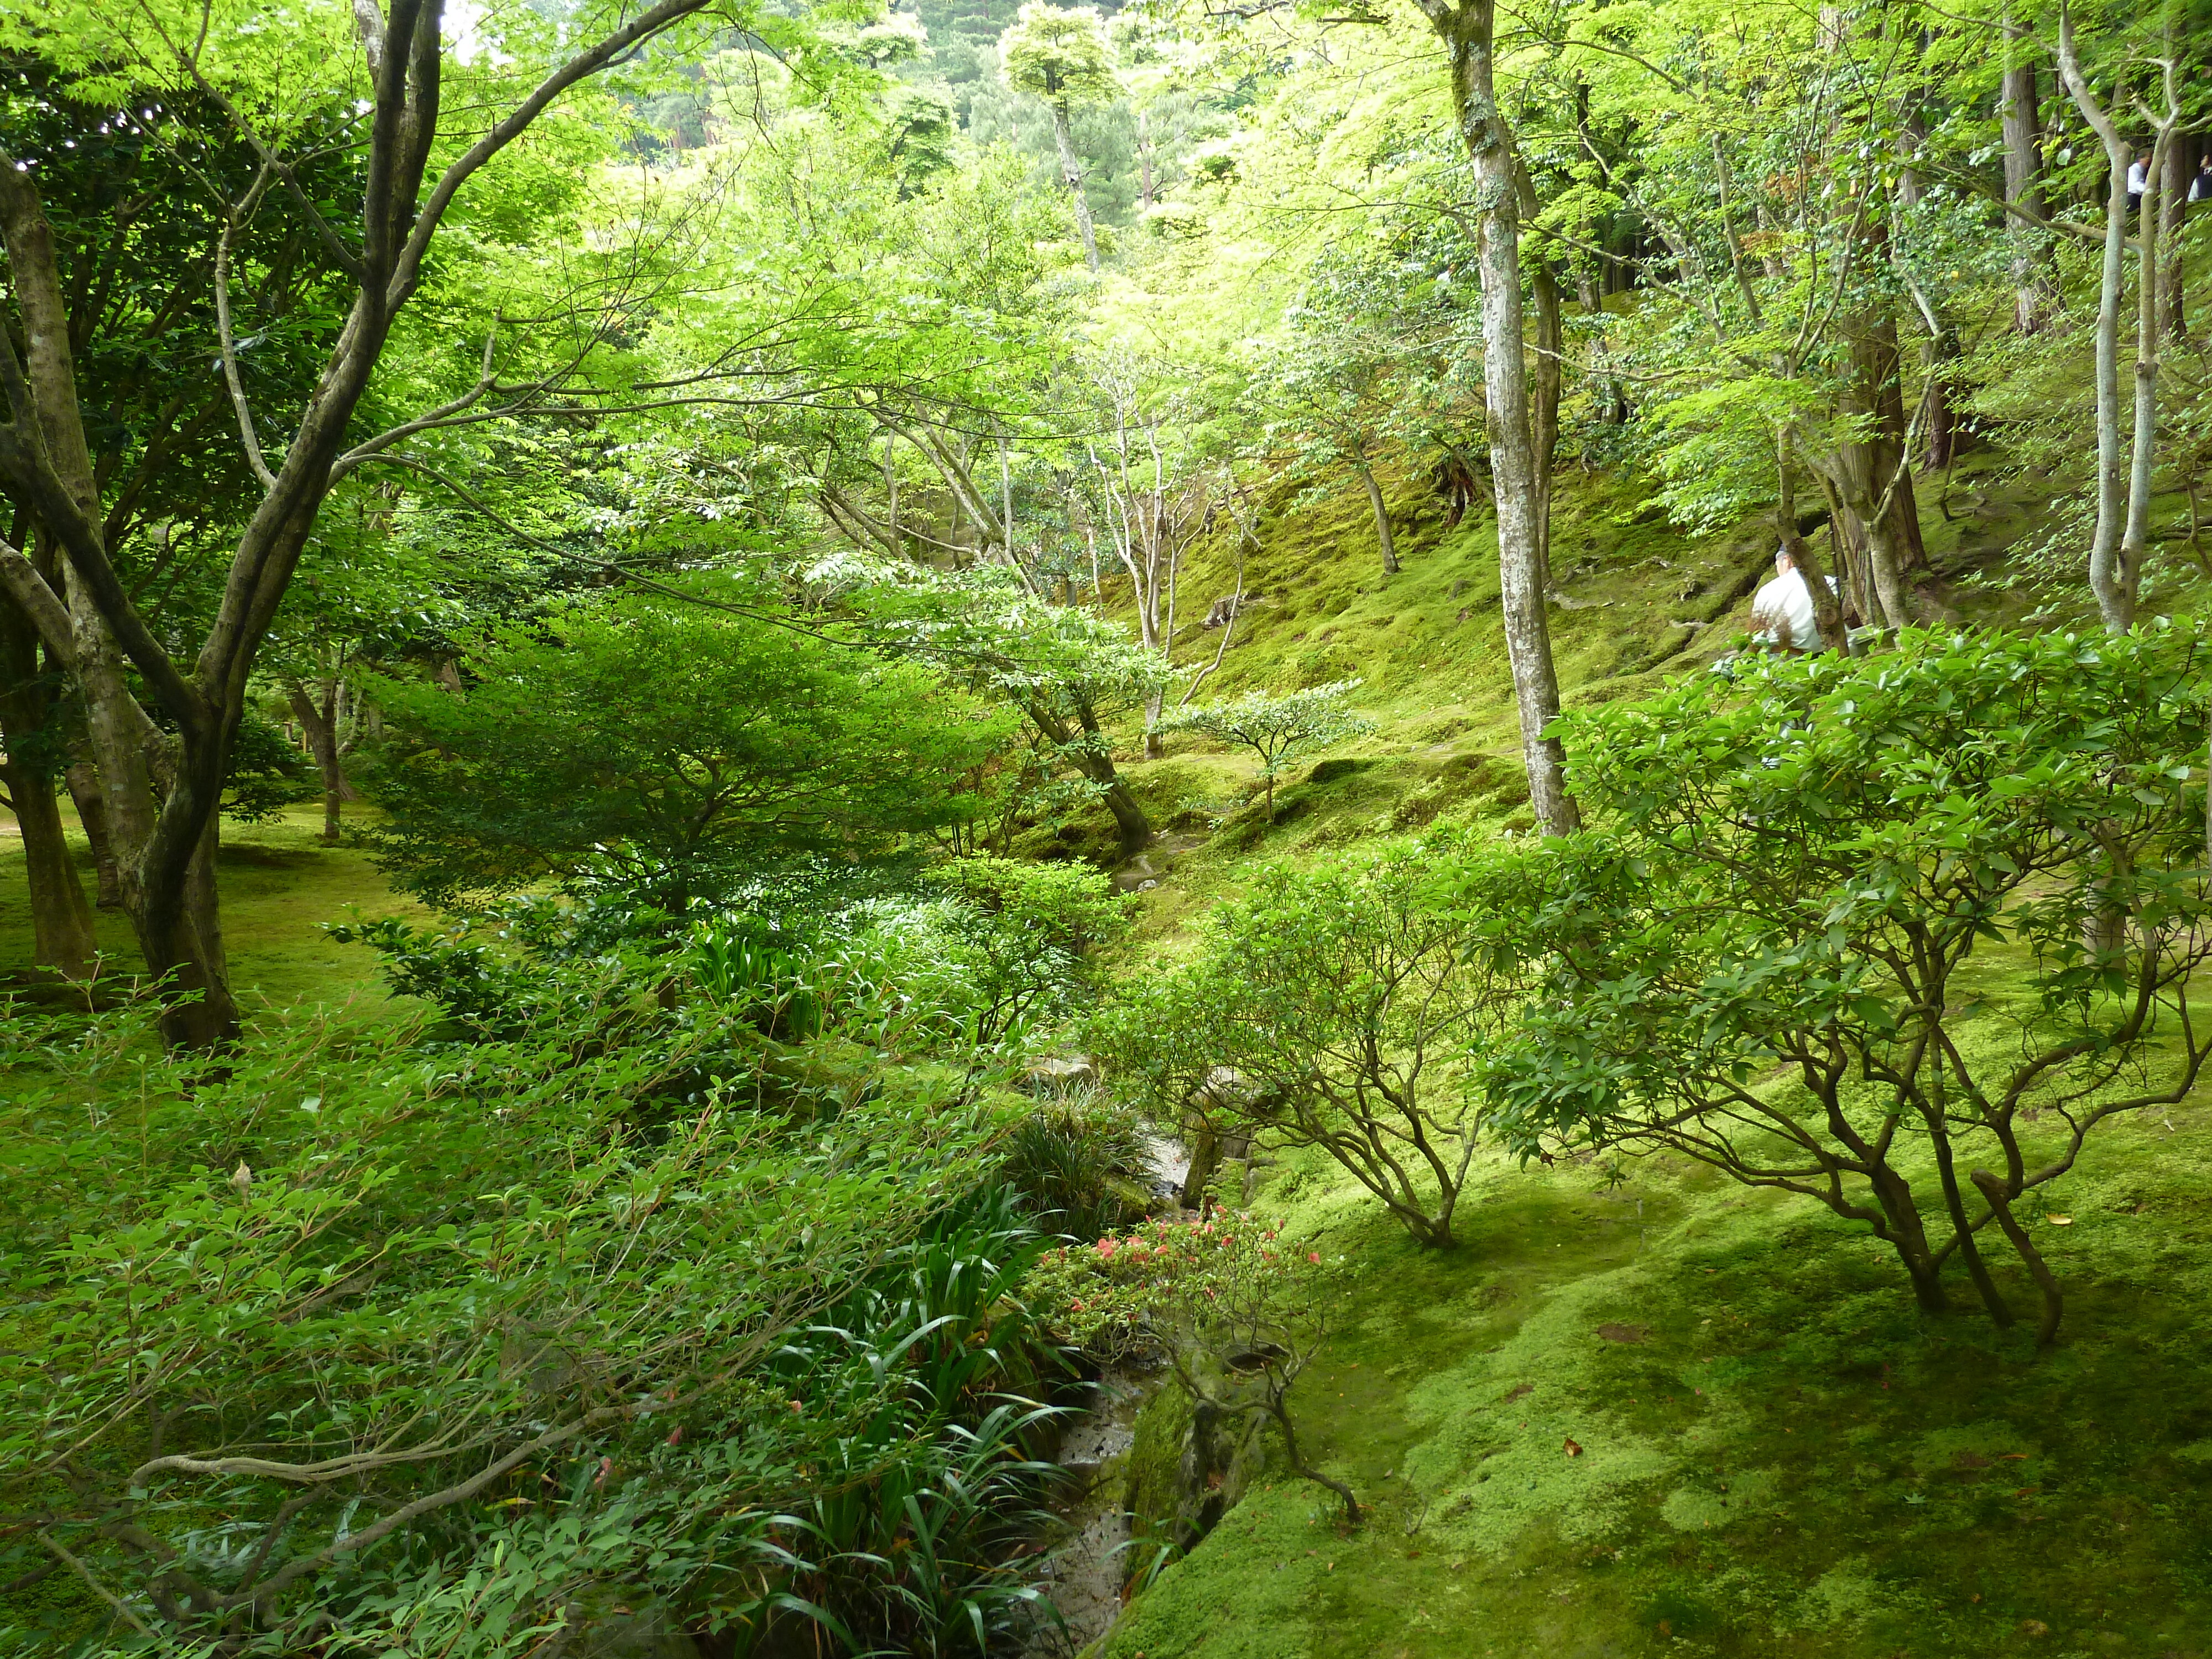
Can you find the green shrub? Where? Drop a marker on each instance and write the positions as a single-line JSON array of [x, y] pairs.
[[1771, 953]]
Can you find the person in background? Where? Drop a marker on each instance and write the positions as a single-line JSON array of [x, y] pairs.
[[1782, 614], [2200, 187], [2138, 181]]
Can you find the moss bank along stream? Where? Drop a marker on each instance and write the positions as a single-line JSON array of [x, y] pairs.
[[1779, 1456]]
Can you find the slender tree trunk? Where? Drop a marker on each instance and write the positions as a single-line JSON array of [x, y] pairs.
[[1466, 29], [2112, 578], [1382, 536], [1544, 410], [2018, 107], [1084, 747], [61, 921], [2135, 536], [2046, 1330], [1279, 1408], [1145, 162], [321, 725], [1070, 173], [2174, 217]]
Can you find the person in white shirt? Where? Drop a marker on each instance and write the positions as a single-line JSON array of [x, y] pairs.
[[2200, 188], [2138, 182], [1782, 614]]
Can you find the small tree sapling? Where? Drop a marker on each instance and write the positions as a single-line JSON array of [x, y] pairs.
[[1279, 729], [1344, 1002]]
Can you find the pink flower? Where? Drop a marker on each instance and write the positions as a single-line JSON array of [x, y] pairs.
[[1107, 1247], [1314, 1257], [1076, 1305]]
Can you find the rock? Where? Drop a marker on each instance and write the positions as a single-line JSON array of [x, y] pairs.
[[1225, 608]]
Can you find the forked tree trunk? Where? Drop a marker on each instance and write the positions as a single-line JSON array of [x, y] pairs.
[[2121, 538], [320, 722]]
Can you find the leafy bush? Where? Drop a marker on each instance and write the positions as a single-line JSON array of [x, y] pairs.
[[1778, 952], [679, 739], [1079, 1168], [1334, 1008], [437, 1335]]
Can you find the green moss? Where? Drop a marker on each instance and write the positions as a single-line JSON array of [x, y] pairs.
[[279, 885], [1152, 1494], [1779, 1454]]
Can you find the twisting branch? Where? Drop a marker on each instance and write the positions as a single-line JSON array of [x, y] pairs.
[[245, 432]]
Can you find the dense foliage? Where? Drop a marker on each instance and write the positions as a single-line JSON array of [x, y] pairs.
[[756, 518]]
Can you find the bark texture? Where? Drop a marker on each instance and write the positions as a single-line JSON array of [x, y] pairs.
[[1467, 31]]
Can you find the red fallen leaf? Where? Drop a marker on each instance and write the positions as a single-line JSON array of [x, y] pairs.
[[2025, 1491], [2012, 1457], [1572, 1449]]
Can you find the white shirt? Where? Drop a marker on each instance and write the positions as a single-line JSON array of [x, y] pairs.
[[2136, 182], [1786, 603]]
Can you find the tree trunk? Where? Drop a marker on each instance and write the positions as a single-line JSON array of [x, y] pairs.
[[1087, 752], [83, 781], [2033, 293], [1382, 519], [61, 921], [159, 892], [1071, 175], [1544, 413], [2046, 1330], [1466, 29], [320, 724], [2111, 578], [2173, 216]]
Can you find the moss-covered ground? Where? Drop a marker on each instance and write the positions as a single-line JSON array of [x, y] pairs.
[[1778, 1454], [279, 883]]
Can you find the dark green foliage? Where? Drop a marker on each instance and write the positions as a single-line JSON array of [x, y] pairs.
[[1079, 1165], [1767, 952], [267, 773], [668, 737]]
